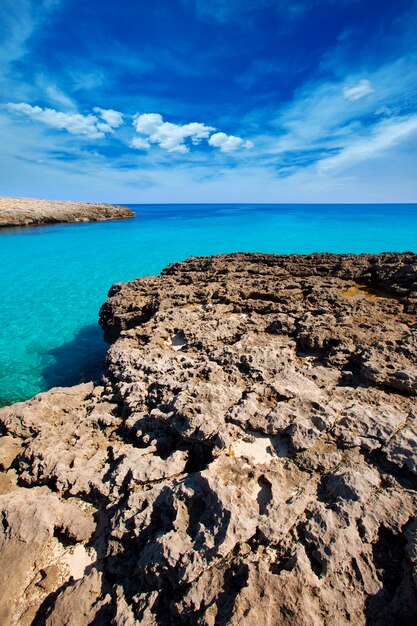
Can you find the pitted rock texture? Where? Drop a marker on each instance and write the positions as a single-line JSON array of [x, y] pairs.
[[35, 212], [249, 456]]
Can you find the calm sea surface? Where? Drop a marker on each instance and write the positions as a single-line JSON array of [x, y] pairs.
[[53, 279]]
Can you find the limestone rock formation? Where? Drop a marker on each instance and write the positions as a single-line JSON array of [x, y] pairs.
[[249, 456], [34, 212]]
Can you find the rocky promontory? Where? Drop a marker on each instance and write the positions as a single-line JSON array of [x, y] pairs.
[[249, 456], [34, 212]]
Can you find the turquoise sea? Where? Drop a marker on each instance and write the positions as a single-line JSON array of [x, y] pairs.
[[53, 279]]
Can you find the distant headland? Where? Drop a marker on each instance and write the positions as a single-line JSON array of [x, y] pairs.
[[35, 211]]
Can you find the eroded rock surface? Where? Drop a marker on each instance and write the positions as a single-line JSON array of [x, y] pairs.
[[248, 458], [34, 212]]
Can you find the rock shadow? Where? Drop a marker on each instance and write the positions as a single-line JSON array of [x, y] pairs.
[[76, 361], [395, 602]]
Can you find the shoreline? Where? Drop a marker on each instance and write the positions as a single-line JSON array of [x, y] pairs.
[[22, 212], [253, 434]]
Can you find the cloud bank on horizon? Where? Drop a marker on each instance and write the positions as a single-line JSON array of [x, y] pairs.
[[220, 100]]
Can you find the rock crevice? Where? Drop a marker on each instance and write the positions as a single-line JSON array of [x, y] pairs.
[[249, 455]]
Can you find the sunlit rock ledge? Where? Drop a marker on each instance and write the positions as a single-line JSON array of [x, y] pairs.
[[249, 456], [34, 211]]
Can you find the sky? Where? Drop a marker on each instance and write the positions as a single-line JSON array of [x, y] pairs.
[[140, 101]]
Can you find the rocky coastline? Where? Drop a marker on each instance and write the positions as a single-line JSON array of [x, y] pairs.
[[36, 212], [249, 456]]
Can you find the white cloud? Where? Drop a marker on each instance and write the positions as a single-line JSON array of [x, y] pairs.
[[147, 123], [320, 118], [360, 90], [140, 143], [172, 137], [228, 143], [75, 123], [386, 134], [113, 118], [151, 128], [388, 178], [168, 136]]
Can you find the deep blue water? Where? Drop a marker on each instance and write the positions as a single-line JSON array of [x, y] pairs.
[[54, 278]]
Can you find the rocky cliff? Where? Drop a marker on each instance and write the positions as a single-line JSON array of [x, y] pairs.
[[34, 212], [249, 456]]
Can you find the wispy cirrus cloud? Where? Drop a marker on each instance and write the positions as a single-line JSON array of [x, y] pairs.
[[374, 142], [360, 90], [19, 19], [327, 102], [21, 23], [224, 10], [326, 118]]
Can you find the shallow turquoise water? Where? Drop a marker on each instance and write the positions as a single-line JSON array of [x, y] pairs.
[[54, 278]]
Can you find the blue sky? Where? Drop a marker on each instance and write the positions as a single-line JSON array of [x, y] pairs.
[[209, 100]]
